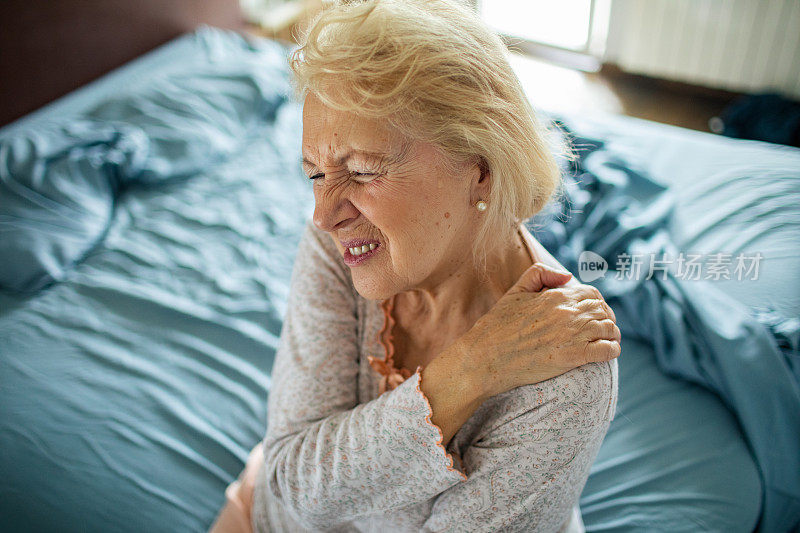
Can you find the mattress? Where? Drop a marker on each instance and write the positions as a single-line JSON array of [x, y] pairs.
[[136, 348], [132, 389]]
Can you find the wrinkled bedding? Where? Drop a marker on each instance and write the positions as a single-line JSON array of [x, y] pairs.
[[134, 364], [149, 224], [747, 356]]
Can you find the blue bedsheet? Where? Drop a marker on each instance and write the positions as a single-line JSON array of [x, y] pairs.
[[750, 360], [137, 339], [132, 389]]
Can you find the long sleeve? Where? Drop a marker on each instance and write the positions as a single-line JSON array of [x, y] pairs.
[[527, 468], [328, 459]]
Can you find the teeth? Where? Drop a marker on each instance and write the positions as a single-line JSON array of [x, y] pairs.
[[358, 250]]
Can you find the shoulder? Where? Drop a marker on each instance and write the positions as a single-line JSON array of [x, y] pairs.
[[583, 398], [540, 255]]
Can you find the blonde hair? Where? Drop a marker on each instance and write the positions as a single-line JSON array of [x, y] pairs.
[[436, 72]]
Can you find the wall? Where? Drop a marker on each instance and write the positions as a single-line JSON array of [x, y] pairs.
[[739, 45]]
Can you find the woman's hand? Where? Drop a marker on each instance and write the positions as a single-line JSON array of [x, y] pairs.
[[532, 334]]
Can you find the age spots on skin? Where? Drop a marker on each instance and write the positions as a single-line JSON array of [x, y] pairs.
[[446, 214]]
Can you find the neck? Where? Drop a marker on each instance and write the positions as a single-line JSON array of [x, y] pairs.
[[467, 292]]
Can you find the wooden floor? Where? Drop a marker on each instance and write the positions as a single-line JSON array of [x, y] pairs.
[[557, 88]]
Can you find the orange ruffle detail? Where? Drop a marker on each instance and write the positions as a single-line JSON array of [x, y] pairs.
[[449, 456], [391, 375]]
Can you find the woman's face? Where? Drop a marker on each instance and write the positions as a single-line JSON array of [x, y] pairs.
[[398, 216]]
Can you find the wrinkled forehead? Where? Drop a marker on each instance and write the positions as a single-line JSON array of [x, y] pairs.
[[330, 134]]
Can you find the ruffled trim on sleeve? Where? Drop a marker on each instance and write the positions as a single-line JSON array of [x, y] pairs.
[[448, 456], [392, 377]]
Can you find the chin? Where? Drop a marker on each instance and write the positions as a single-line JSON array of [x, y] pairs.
[[371, 290]]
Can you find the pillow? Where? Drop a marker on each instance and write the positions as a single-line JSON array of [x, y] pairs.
[[197, 119]]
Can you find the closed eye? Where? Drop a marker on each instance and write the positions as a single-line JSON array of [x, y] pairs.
[[354, 174], [368, 175]]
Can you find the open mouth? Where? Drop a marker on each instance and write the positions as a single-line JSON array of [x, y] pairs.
[[356, 252]]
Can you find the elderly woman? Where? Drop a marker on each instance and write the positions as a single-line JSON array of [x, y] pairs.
[[438, 369]]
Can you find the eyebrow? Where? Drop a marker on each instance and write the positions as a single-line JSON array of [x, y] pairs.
[[385, 157]]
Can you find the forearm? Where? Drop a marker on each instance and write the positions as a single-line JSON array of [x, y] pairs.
[[378, 456], [533, 455]]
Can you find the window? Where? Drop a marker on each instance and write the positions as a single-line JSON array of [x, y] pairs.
[[574, 25]]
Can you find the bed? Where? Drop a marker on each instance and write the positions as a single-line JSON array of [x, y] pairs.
[[149, 221]]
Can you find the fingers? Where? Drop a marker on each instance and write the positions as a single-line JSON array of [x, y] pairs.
[[608, 310], [551, 277], [604, 341], [584, 296], [603, 329], [575, 293], [596, 309], [537, 277], [602, 350]]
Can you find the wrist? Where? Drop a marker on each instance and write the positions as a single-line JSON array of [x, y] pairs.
[[464, 359], [452, 391]]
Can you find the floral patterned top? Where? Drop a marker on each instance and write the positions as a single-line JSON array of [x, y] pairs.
[[350, 445]]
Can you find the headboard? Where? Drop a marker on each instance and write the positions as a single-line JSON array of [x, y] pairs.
[[50, 47]]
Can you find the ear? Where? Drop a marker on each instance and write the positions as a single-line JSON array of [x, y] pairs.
[[481, 180]]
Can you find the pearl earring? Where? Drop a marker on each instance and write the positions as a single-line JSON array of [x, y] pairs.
[[481, 205]]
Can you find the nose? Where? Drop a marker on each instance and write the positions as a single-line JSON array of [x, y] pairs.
[[333, 210]]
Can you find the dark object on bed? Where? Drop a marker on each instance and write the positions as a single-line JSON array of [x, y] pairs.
[[761, 117], [50, 48]]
